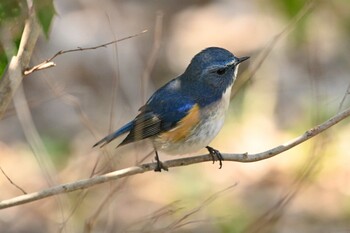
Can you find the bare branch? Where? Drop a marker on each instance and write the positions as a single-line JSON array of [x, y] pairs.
[[86, 183], [48, 63], [13, 74]]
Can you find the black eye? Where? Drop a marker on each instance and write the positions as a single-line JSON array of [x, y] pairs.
[[221, 71]]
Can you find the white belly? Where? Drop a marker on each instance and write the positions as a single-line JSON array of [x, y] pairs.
[[212, 120]]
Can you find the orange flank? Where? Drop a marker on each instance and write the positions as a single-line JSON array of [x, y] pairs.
[[184, 127]]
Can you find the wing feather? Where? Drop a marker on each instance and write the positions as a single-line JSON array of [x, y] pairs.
[[162, 112], [157, 118]]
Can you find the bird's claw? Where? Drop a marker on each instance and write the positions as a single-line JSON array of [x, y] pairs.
[[215, 154], [160, 166]]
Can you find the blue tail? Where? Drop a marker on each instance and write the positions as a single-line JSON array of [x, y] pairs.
[[126, 128]]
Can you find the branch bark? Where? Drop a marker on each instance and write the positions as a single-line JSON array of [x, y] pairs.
[[13, 75], [245, 157]]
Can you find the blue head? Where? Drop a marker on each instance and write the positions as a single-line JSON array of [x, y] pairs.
[[210, 73]]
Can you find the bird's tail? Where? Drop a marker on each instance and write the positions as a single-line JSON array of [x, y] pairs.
[[126, 128]]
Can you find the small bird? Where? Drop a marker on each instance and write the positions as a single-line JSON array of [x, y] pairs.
[[186, 114]]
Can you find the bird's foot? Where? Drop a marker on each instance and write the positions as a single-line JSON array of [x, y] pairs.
[[215, 154], [160, 166]]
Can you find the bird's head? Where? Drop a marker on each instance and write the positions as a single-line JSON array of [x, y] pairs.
[[213, 68]]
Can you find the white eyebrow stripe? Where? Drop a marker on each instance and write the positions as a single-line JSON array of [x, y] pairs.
[[231, 62], [216, 66]]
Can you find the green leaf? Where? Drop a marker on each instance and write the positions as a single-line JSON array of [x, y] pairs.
[[3, 61], [58, 148], [45, 11], [291, 7]]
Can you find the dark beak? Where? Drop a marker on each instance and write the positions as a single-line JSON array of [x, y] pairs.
[[241, 59]]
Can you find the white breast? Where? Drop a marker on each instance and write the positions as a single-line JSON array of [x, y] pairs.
[[212, 120]]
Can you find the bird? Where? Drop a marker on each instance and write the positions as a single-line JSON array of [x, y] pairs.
[[185, 115]]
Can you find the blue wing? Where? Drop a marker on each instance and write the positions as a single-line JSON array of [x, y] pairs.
[[166, 107]]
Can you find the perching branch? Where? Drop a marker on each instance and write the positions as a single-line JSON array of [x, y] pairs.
[[87, 183]]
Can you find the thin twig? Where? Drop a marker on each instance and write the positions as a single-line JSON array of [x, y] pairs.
[[41, 66], [267, 50], [269, 218], [245, 158], [291, 26], [91, 221], [13, 183], [115, 80], [115, 86], [179, 222], [154, 53], [81, 197], [48, 63], [344, 98]]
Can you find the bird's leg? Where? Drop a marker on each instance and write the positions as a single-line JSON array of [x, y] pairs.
[[160, 165], [215, 153]]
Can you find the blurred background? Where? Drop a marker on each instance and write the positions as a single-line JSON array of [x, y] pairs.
[[297, 77]]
